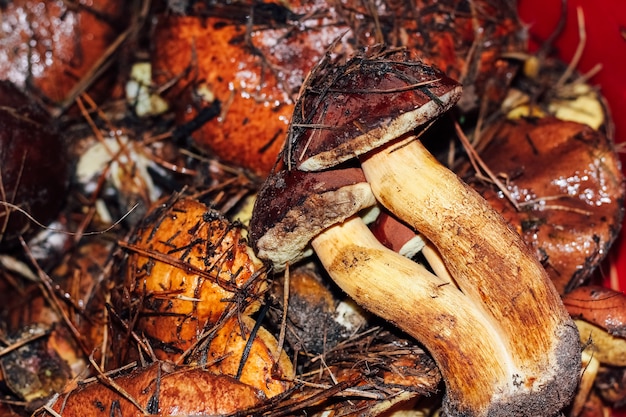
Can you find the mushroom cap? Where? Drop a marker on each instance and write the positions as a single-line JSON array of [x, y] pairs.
[[396, 235], [187, 265], [567, 179], [50, 48], [293, 207], [175, 391], [348, 110]]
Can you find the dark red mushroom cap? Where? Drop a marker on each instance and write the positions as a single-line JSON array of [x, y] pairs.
[[293, 207], [348, 110]]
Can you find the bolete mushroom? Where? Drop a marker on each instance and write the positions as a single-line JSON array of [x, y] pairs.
[[56, 50], [157, 389], [499, 332], [564, 191]]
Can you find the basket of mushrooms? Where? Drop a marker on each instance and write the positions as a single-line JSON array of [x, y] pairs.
[[310, 207]]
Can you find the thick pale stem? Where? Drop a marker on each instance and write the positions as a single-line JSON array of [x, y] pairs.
[[472, 358], [491, 265]]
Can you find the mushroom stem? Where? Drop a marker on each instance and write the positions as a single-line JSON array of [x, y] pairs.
[[493, 268], [425, 306]]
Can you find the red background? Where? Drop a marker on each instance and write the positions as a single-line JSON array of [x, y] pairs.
[[605, 26]]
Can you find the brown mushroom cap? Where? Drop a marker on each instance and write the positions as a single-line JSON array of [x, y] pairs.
[[50, 48], [603, 307], [371, 100], [163, 390], [293, 207], [567, 182]]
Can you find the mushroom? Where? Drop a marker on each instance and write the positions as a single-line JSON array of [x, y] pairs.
[[499, 333], [396, 235], [157, 389], [564, 191], [400, 238], [56, 50], [603, 307], [293, 207]]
